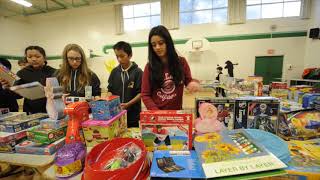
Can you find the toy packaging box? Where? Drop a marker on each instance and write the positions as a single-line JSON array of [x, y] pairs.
[[308, 99], [9, 140], [30, 147], [133, 133], [22, 123], [279, 90], [72, 99], [257, 113], [4, 111], [96, 132], [53, 124], [289, 106], [105, 108], [166, 129], [305, 159], [263, 114], [241, 114], [176, 164], [8, 75], [9, 146], [233, 152], [46, 136], [300, 125], [11, 116], [225, 109]]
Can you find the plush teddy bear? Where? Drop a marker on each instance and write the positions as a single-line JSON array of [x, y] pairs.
[[208, 121]]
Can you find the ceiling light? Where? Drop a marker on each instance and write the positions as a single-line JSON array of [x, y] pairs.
[[22, 2]]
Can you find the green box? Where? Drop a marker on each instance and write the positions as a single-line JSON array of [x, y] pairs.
[[46, 136]]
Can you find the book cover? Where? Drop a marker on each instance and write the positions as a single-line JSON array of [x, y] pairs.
[[233, 153], [30, 91], [6, 74], [305, 158], [176, 164]]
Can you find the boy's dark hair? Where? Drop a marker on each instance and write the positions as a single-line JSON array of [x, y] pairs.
[[126, 47], [5, 62], [219, 68], [38, 48]]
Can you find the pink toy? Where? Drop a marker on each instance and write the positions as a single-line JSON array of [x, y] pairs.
[[208, 121]]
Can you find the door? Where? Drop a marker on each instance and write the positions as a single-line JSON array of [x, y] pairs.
[[269, 67]]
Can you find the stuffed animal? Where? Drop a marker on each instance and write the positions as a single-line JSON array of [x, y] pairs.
[[208, 121]]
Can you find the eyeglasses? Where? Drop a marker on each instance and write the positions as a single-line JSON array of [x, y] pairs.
[[78, 59]]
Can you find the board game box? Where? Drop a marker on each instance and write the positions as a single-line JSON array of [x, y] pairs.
[[225, 108], [166, 129]]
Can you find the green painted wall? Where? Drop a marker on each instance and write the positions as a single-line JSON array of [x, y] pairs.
[[183, 41]]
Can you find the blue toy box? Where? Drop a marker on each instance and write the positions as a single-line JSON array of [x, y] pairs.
[[105, 109]]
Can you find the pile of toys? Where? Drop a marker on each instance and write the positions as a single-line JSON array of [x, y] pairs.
[[48, 137]]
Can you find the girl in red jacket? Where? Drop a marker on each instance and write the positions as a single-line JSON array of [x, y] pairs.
[[165, 74]]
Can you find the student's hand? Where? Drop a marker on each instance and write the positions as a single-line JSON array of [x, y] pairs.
[[4, 83], [124, 105], [193, 86]]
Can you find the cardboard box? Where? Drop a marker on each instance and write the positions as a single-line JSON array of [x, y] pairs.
[[225, 108], [12, 115], [5, 136], [257, 113], [241, 114], [53, 124], [46, 136], [30, 147], [22, 123], [263, 114], [72, 99], [4, 111], [166, 129], [96, 132], [105, 108], [300, 125], [9, 140], [9, 146], [279, 93], [308, 99], [279, 85]]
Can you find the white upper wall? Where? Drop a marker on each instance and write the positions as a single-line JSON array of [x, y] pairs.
[[15, 35], [313, 45]]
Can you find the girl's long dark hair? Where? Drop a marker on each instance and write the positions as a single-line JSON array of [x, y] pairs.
[[155, 64]]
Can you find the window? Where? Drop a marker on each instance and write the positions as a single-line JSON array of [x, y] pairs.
[[203, 11], [261, 9], [141, 16]]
